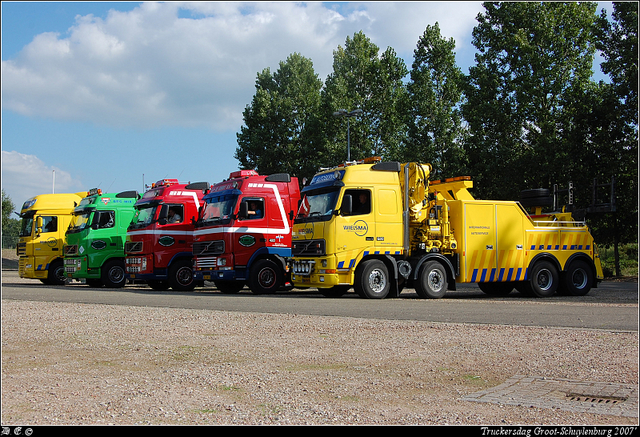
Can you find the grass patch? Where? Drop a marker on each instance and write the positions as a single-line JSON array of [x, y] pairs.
[[628, 254], [229, 388]]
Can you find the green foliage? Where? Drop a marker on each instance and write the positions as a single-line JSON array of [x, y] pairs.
[[434, 119], [364, 79], [534, 59], [528, 115], [281, 132], [628, 255], [10, 226]]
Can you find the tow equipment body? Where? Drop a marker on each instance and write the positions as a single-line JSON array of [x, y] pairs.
[[158, 247], [44, 220], [431, 236], [243, 234], [95, 238]]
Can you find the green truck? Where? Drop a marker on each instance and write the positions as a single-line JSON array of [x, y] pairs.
[[94, 250]]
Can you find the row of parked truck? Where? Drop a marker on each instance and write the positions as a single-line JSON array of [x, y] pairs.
[[373, 226]]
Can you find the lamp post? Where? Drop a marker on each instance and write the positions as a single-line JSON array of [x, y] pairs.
[[344, 113]]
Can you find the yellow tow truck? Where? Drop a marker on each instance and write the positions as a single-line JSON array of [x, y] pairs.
[[380, 226]]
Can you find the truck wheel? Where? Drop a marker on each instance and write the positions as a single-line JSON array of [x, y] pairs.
[[229, 287], [524, 288], [578, 279], [265, 277], [113, 274], [496, 288], [181, 276], [56, 274], [432, 281], [158, 284], [372, 280], [544, 280]]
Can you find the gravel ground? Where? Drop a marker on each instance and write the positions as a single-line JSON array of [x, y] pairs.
[[80, 364]]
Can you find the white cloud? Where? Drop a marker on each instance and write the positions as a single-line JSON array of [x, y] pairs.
[[25, 176], [150, 67]]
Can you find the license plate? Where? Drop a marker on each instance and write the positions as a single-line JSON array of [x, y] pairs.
[[207, 277]]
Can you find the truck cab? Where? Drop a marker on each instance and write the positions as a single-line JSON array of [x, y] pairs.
[[243, 232], [44, 220], [95, 238], [160, 236]]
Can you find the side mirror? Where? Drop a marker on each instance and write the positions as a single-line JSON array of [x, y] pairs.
[[95, 220], [243, 212], [38, 225], [163, 214], [347, 205]]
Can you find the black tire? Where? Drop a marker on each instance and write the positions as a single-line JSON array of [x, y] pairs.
[[524, 288], [535, 192], [577, 279], [432, 281], [158, 284], [372, 280], [335, 291], [496, 288], [265, 277], [229, 287], [55, 274], [113, 274], [181, 276], [537, 201], [544, 280]]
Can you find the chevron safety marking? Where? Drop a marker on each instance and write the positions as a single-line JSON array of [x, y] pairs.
[[511, 266], [482, 270], [546, 240], [558, 240], [575, 240], [347, 260]]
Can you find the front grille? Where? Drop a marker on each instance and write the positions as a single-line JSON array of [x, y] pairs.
[[70, 249], [133, 246], [205, 263], [71, 265], [208, 248], [304, 268], [308, 248]]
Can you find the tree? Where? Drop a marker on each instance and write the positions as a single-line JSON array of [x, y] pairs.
[[281, 133], [434, 120], [533, 60], [618, 121], [363, 79], [10, 226]]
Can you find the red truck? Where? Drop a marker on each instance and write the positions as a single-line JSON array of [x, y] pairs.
[[160, 237], [243, 233]]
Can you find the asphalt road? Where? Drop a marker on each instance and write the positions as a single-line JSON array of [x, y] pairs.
[[611, 306]]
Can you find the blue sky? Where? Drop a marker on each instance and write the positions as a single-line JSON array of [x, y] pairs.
[[117, 95]]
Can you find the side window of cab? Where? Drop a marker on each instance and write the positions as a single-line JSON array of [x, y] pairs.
[[361, 201], [254, 208]]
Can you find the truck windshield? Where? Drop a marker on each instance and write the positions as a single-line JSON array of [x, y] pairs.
[[218, 209], [79, 222], [143, 217], [317, 205]]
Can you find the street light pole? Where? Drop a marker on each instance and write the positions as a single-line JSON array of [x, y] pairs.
[[344, 113]]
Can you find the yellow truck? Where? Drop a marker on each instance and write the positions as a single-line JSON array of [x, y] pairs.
[[380, 226], [45, 219]]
